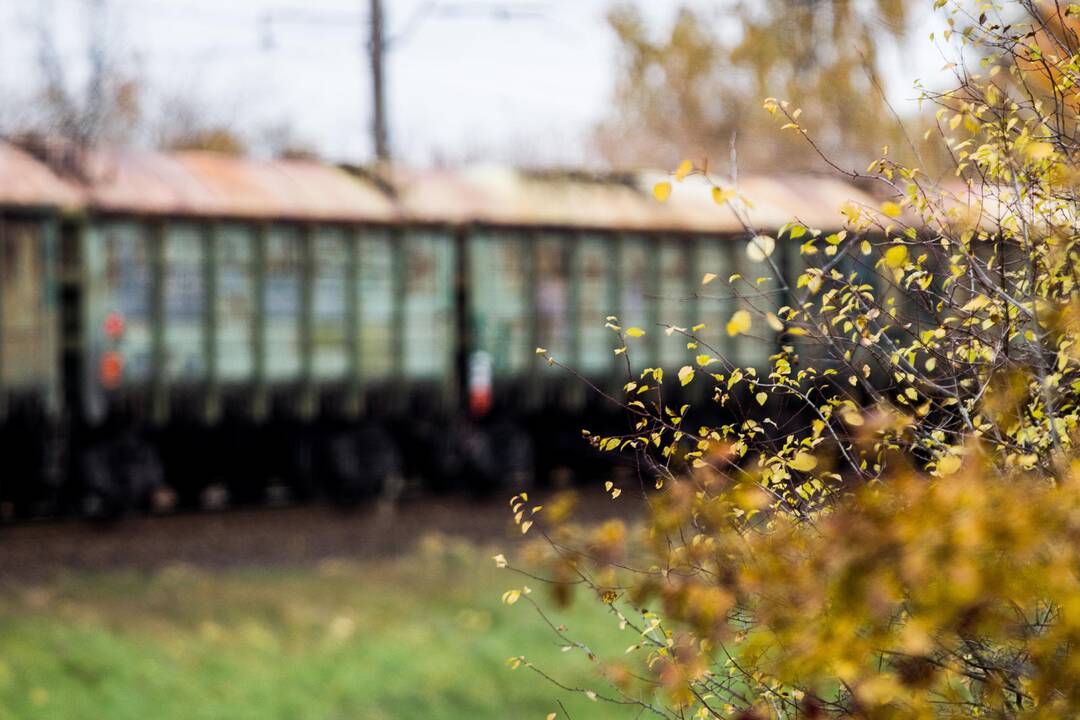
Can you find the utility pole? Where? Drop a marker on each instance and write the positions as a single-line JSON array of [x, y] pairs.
[[377, 47], [379, 44]]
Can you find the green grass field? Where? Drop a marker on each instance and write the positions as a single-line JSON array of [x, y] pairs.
[[423, 636]]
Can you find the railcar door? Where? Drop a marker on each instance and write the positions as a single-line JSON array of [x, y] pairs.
[[675, 304], [329, 332], [715, 306], [637, 302], [235, 314], [283, 268], [596, 301], [377, 293], [185, 305], [428, 322], [119, 327], [499, 307]]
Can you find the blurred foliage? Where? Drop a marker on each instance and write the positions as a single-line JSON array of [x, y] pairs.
[[219, 140], [882, 523], [694, 90]]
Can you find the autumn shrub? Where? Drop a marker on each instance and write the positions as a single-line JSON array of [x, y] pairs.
[[901, 542]]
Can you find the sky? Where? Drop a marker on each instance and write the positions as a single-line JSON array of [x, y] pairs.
[[510, 80]]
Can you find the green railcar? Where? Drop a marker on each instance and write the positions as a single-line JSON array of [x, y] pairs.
[[213, 327]]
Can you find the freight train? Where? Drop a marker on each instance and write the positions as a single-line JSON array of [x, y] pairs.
[[189, 328]]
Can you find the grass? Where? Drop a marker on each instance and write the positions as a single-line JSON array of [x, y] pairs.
[[424, 636]]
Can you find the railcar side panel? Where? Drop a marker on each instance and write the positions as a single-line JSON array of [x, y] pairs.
[[185, 298], [499, 303], [553, 297], [329, 336], [119, 332], [637, 304], [234, 249], [428, 313], [753, 347], [376, 295], [714, 305], [674, 302], [282, 301], [595, 302], [28, 317]]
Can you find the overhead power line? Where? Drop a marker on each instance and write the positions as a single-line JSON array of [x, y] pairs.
[[380, 41]]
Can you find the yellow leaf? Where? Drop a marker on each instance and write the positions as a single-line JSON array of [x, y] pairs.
[[662, 191], [803, 462], [511, 596], [686, 374], [1039, 150], [541, 351], [721, 196], [591, 695], [761, 398], [852, 418], [550, 716], [635, 332], [865, 247], [774, 322], [500, 560], [709, 277], [685, 168], [891, 209], [739, 323], [760, 247], [705, 360], [948, 464], [896, 256], [525, 526]]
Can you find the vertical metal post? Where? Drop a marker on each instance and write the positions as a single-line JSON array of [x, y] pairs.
[[260, 400], [733, 346], [5, 238], [652, 302], [574, 391], [463, 326], [693, 263], [352, 320], [377, 48], [399, 240], [51, 346], [530, 247], [307, 319], [155, 235], [210, 235], [615, 299], [575, 276]]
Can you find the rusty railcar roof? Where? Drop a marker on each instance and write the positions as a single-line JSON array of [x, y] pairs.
[[204, 184], [211, 184], [500, 196], [26, 182]]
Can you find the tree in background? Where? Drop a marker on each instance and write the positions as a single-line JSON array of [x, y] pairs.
[[693, 91], [111, 104], [884, 522]]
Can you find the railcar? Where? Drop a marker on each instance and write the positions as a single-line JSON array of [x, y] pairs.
[[193, 328]]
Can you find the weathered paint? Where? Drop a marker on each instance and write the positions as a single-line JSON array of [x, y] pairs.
[[428, 323], [499, 301], [204, 184]]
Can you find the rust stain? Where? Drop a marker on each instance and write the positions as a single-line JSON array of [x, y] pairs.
[[204, 184], [26, 182]]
